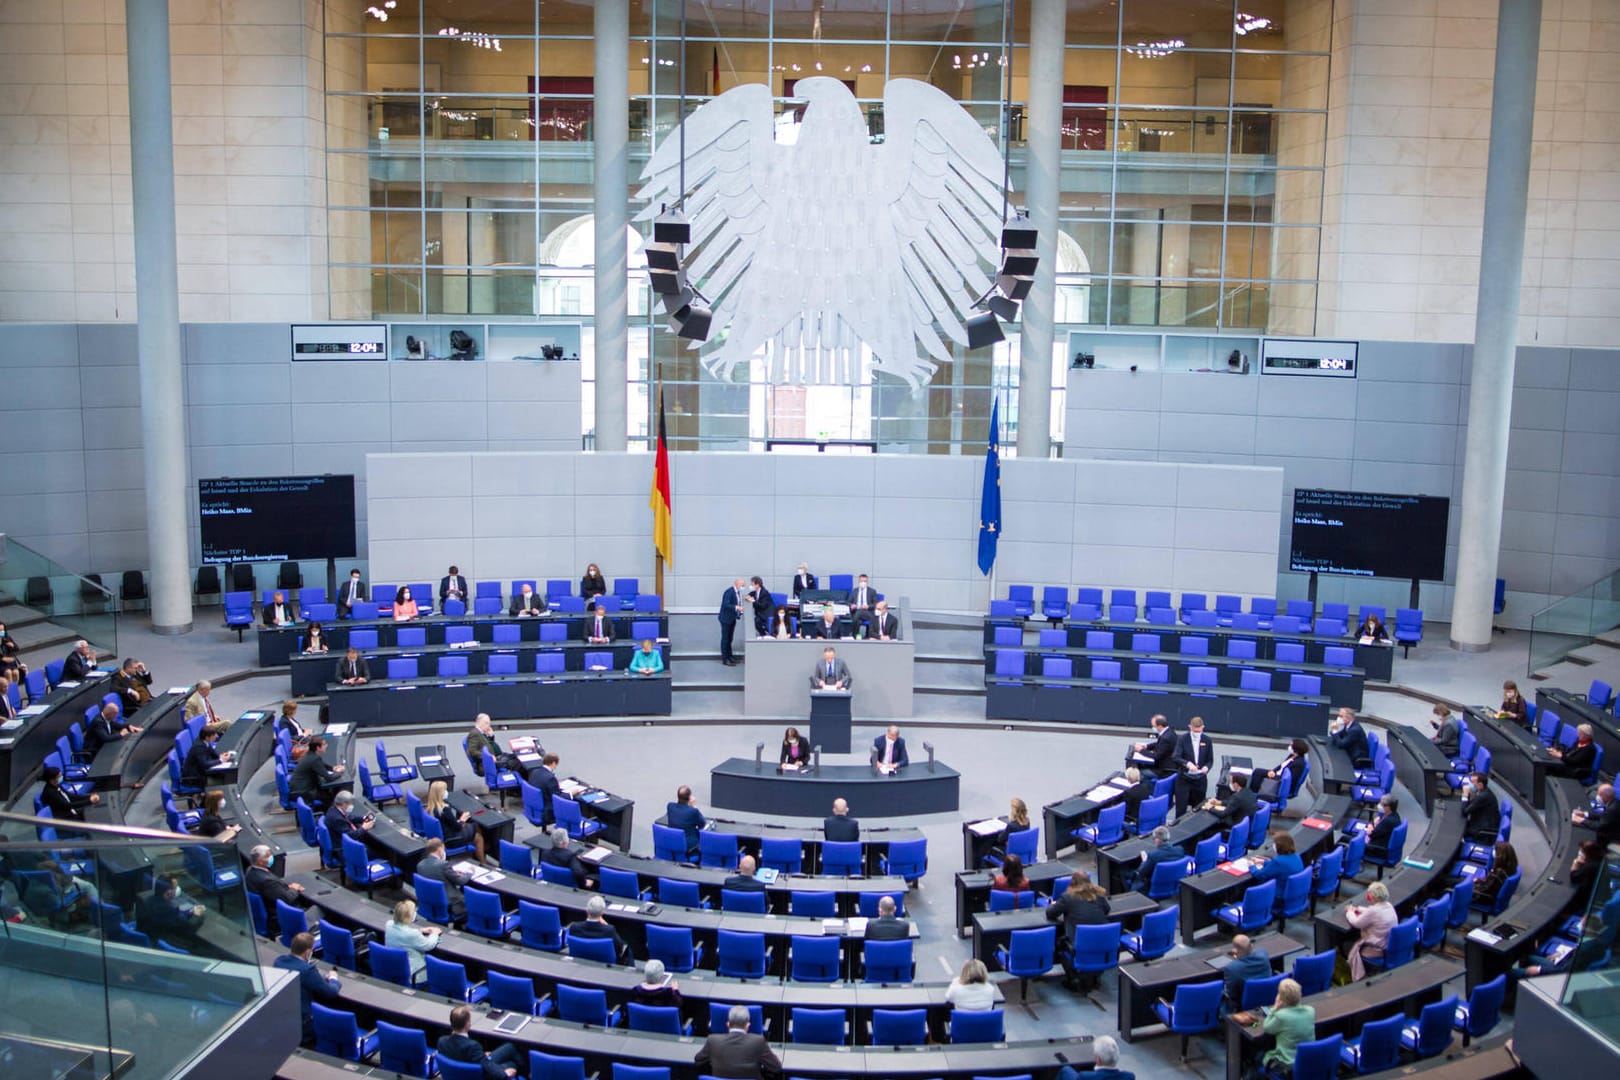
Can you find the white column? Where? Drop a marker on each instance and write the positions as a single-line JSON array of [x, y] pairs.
[[1496, 323], [611, 128], [1043, 154], [157, 329]]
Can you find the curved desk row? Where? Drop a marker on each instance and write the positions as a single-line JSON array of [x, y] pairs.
[[1419, 764], [919, 788], [23, 748], [993, 929], [313, 674], [1517, 756], [1342, 686], [278, 644], [1132, 704], [750, 836], [510, 697], [1575, 709], [1141, 985], [119, 765], [973, 888], [1117, 863]]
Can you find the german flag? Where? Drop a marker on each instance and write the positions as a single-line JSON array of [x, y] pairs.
[[663, 509]]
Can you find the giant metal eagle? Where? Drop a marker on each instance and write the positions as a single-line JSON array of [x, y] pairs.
[[834, 240]]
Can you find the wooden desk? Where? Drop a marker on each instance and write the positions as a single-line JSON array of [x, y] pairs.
[[1140, 985]]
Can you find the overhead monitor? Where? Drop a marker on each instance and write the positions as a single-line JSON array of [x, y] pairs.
[[276, 518], [1369, 534]]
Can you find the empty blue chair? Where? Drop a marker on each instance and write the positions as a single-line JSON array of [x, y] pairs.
[[1083, 612], [658, 1019], [543, 1066], [1295, 896], [1105, 670], [1122, 613], [668, 843], [1030, 954], [978, 1027], [1431, 1034], [1054, 602], [742, 956], [1227, 606], [822, 905], [517, 859], [1002, 609], [1096, 948], [1057, 667], [402, 667], [1166, 878], [1600, 694], [452, 667], [1146, 643], [1483, 1010], [1156, 598], [601, 950], [1161, 616], [515, 993], [1008, 636], [717, 849], [1194, 646], [1462, 899], [567, 815], [484, 915], [1253, 911], [503, 664], [238, 617], [1329, 870], [256, 913], [585, 1005], [1202, 676], [1195, 1010], [1254, 681], [1339, 656], [1109, 827], [1011, 663], [674, 946], [680, 893], [785, 855], [899, 1027], [433, 898], [338, 1034], [1022, 598], [1242, 649], [1314, 973], [1207, 855], [552, 632], [1151, 814], [540, 927], [1260, 992], [813, 959], [508, 633], [1432, 923], [1259, 826], [360, 868], [743, 901], [652, 603], [449, 979], [1154, 673], [888, 961], [337, 946], [1377, 1048], [375, 791], [818, 1026], [411, 637], [362, 639], [841, 858], [1305, 686], [1157, 936], [906, 859], [1099, 639], [1318, 1059], [625, 883], [1408, 628]]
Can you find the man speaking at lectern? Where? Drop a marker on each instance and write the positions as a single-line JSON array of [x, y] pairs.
[[832, 673], [889, 751]]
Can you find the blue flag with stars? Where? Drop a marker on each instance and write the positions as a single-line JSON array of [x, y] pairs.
[[990, 500]]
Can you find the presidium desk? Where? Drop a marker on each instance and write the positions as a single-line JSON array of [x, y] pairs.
[[922, 787], [776, 671]]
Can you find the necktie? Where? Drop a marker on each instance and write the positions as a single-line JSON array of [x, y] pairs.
[[829, 671], [888, 752]]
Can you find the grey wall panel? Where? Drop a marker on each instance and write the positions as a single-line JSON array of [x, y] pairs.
[[1113, 430], [1594, 411], [125, 549], [218, 384], [39, 345], [1572, 573], [1428, 444], [229, 425], [1530, 491], [903, 518], [1115, 391], [334, 422], [114, 470], [1200, 434], [1593, 369], [46, 386], [48, 513], [34, 473], [522, 476], [1302, 436], [1408, 403], [357, 384], [344, 458], [1144, 484], [1234, 489], [1530, 449], [38, 430], [430, 516], [1125, 566], [1249, 531], [1200, 392], [1027, 562], [240, 459], [1539, 409], [1150, 526], [1411, 362], [112, 428], [1307, 398], [104, 344], [1535, 366]]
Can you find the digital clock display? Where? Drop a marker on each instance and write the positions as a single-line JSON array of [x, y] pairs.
[[1296, 357], [340, 341], [338, 347]]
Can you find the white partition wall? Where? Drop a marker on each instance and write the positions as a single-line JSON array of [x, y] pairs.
[[910, 522]]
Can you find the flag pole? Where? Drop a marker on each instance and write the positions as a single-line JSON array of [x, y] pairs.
[[658, 416], [995, 435]]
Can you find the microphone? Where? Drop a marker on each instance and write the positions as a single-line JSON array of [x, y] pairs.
[[928, 746], [759, 752], [815, 759]]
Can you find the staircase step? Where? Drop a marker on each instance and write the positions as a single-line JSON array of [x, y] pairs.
[[41, 635], [14, 615]]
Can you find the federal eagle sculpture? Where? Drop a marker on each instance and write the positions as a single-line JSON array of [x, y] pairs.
[[817, 246]]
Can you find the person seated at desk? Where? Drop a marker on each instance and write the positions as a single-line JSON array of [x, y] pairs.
[[1289, 1023], [482, 737], [452, 587], [166, 913], [352, 593], [1371, 631], [860, 599], [311, 776], [647, 660], [760, 597], [1195, 754], [312, 985], [1105, 1063], [827, 626], [736, 1052], [1161, 851], [1375, 921], [1605, 822], [1579, 760], [781, 625], [503, 1061], [595, 927], [1289, 769], [353, 670], [1585, 871], [404, 605], [10, 650], [315, 640], [1482, 813], [803, 580], [204, 758], [657, 987], [684, 815], [63, 804], [435, 867], [107, 727], [417, 941], [1504, 863], [1156, 756], [1141, 788], [794, 750], [889, 749], [879, 625], [1238, 805], [560, 854], [592, 584], [1385, 820], [744, 880], [197, 704], [1017, 820], [133, 685], [341, 822], [1514, 707], [278, 612], [1280, 866], [527, 602], [1348, 735], [261, 879], [1447, 735], [79, 663], [887, 926], [970, 990], [599, 631], [1592, 952], [831, 674], [840, 828], [1011, 876], [298, 733], [544, 777], [10, 675], [212, 822], [1083, 903], [1249, 961], [457, 826]]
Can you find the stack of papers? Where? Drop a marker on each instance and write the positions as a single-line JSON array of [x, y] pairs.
[[336, 730], [596, 854], [569, 786], [179, 690], [32, 710], [856, 927], [1237, 867], [1483, 936], [988, 827], [1102, 793]]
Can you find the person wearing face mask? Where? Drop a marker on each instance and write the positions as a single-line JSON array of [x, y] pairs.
[[1482, 814], [352, 593]]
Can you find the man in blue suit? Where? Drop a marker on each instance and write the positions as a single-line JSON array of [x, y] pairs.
[[1105, 1054], [683, 815], [1248, 962], [1348, 735], [889, 750], [1162, 851], [730, 611], [311, 983]]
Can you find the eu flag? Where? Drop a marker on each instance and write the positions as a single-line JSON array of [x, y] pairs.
[[990, 499]]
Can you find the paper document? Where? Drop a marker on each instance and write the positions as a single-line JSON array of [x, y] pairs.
[[179, 690], [1236, 867], [429, 759], [1102, 793], [523, 744], [856, 927], [596, 854], [335, 730], [1483, 936], [32, 710], [988, 827]]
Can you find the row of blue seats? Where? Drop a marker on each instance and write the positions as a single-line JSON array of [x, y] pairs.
[[1013, 663], [411, 637], [1287, 652], [904, 858], [239, 606]]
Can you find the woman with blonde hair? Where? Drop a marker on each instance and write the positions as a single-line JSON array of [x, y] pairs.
[[417, 941], [458, 828], [1289, 1023], [971, 991]]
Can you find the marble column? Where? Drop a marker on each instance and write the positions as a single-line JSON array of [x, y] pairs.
[[610, 127]]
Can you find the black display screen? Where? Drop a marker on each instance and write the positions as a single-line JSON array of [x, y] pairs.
[[276, 518], [1369, 534]]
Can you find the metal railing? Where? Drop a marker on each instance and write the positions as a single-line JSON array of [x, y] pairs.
[[88, 608], [1573, 621]]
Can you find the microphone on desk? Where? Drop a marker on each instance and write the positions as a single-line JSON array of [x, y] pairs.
[[815, 758], [759, 753], [928, 746]]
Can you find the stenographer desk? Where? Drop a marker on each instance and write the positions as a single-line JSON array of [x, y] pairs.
[[1140, 985], [314, 674], [751, 835], [278, 644], [1517, 755], [1376, 661], [23, 748], [776, 675], [504, 697], [737, 784], [1268, 714]]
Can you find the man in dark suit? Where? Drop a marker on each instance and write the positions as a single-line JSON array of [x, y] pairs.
[[164, 913], [107, 727], [560, 854], [1162, 851], [1141, 789], [882, 625], [1248, 962], [887, 926], [341, 820], [840, 828], [544, 777], [349, 594], [261, 879], [79, 663], [737, 1053], [527, 602], [1482, 814], [63, 804], [595, 925], [803, 580], [889, 750], [599, 628], [827, 626], [1238, 805], [312, 774], [1606, 822], [278, 612], [744, 880], [311, 983], [1580, 759], [1348, 735], [353, 670], [435, 867], [831, 674], [1105, 1060], [684, 815], [132, 682], [1383, 827], [452, 587], [204, 757], [1192, 759], [861, 598], [505, 1060], [731, 609], [1156, 756]]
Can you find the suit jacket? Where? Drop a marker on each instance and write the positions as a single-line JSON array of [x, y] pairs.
[[738, 1054], [199, 760], [1166, 852], [900, 758], [1482, 818], [1448, 737], [887, 928], [1162, 749], [475, 750], [340, 825], [343, 601], [565, 857], [63, 805], [1579, 760], [458, 583], [801, 582], [469, 1051], [1072, 911], [1607, 823], [546, 780], [262, 880], [687, 818], [787, 754], [1378, 836], [311, 985], [1353, 741], [197, 705], [888, 626], [1239, 805], [818, 628], [440, 870], [589, 587], [840, 677], [285, 610], [1257, 965], [862, 596], [309, 774], [1184, 755], [75, 667], [606, 627], [586, 929], [520, 604], [357, 669], [728, 606], [841, 828], [98, 734], [1142, 789], [743, 883]]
